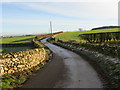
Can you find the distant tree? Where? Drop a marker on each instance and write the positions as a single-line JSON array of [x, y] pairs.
[[80, 29]]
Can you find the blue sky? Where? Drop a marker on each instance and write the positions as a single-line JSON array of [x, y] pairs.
[[34, 17]]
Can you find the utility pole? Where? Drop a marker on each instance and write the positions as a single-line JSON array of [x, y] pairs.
[[51, 27]]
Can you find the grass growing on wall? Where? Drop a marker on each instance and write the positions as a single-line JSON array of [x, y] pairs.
[[16, 79], [108, 67], [15, 49]]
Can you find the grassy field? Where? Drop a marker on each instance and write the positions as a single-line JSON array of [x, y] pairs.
[[23, 39], [74, 35], [12, 40]]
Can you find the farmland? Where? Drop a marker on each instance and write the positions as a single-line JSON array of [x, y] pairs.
[[105, 41], [22, 39], [15, 40], [89, 50], [75, 35]]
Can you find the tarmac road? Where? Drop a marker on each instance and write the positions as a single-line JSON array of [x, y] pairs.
[[65, 70]]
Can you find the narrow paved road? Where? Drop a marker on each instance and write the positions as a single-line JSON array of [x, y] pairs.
[[65, 70]]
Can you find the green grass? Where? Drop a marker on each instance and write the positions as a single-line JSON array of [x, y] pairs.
[[103, 30], [15, 49], [23, 39], [75, 35], [1, 50]]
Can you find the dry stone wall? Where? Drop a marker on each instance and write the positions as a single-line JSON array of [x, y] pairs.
[[19, 61]]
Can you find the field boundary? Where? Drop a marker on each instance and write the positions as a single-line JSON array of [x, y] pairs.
[[18, 44], [16, 65]]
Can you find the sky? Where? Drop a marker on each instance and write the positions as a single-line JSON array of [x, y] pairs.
[[20, 17]]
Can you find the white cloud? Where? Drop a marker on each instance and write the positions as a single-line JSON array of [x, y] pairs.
[[81, 10], [92, 14], [24, 22]]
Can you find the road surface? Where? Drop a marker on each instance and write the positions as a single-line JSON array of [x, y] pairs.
[[65, 70]]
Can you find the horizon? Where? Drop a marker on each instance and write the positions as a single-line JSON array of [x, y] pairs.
[[15, 35]]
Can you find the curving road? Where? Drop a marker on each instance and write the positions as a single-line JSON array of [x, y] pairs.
[[65, 70]]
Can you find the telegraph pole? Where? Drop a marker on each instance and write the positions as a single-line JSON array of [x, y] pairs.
[[51, 27]]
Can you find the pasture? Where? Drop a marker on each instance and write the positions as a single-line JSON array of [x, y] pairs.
[[15, 40], [22, 39], [75, 35]]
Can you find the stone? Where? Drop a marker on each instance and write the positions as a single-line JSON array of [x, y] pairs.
[[1, 70], [22, 60], [20, 66], [10, 71]]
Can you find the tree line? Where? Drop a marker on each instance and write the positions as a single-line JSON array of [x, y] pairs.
[[105, 27]]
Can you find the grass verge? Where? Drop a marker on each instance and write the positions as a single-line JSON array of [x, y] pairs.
[[16, 79], [15, 49]]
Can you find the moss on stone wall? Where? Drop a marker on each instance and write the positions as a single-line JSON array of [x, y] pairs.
[[19, 61], [17, 67]]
